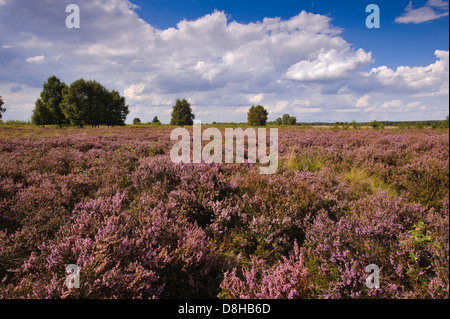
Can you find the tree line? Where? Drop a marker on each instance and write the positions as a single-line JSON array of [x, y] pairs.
[[155, 121], [83, 103], [89, 103]]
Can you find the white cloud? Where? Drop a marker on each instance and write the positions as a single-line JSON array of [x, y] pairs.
[[256, 98], [222, 66], [419, 79], [301, 103], [329, 65], [438, 4], [280, 107], [397, 106], [243, 109], [133, 92], [36, 59], [363, 101], [392, 104], [18, 101], [433, 9]]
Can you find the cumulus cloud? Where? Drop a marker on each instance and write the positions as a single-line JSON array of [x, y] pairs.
[[363, 101], [133, 92], [256, 98], [222, 66], [433, 9], [329, 65], [416, 79]]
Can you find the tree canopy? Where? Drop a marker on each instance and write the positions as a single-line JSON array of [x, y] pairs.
[[42, 115], [156, 120], [48, 106], [82, 103], [182, 113], [287, 120], [257, 116]]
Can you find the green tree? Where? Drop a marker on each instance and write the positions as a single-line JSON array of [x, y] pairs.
[[404, 125], [257, 116], [156, 120], [89, 103], [444, 124], [136, 121], [376, 125], [354, 125], [2, 109], [420, 125], [50, 102], [42, 115], [285, 119], [278, 121], [292, 120], [116, 109], [182, 113], [76, 103]]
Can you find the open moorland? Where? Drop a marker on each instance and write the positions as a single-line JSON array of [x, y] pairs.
[[138, 226]]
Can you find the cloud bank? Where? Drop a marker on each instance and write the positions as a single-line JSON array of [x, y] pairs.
[[302, 66]]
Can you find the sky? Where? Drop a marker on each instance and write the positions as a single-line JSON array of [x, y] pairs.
[[315, 60]]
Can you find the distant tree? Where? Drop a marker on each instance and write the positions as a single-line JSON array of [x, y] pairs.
[[278, 121], [376, 125], [285, 119], [50, 102], [42, 115], [404, 125], [354, 125], [420, 125], [116, 109], [257, 116], [136, 121], [292, 120], [182, 113], [77, 103], [2, 109], [89, 103], [156, 120], [444, 124], [346, 126]]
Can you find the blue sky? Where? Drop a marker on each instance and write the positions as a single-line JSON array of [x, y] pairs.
[[315, 60]]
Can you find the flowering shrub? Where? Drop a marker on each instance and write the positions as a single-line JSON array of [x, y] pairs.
[[377, 230], [139, 226], [285, 280], [145, 253]]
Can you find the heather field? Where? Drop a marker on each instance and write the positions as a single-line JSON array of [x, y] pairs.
[[111, 201]]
